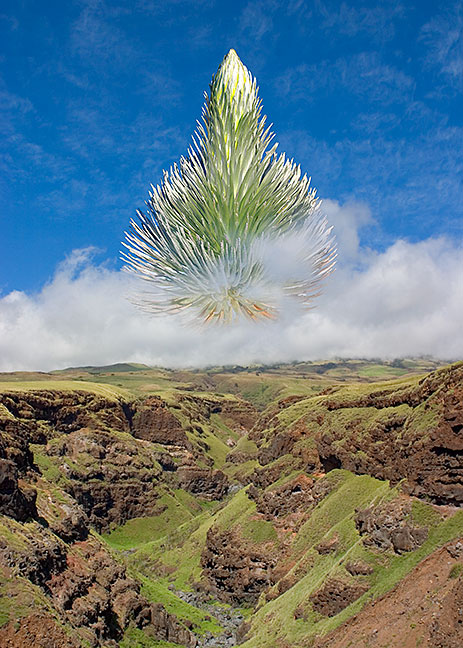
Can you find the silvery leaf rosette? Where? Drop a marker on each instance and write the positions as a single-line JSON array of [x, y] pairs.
[[233, 229]]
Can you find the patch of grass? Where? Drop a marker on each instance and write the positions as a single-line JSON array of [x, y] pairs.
[[240, 471], [47, 465], [423, 418], [382, 371], [217, 448], [424, 514], [247, 446], [110, 392], [158, 592], [221, 429], [135, 638], [456, 571], [259, 531], [139, 531]]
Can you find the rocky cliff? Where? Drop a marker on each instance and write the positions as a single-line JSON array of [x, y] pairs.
[[125, 514]]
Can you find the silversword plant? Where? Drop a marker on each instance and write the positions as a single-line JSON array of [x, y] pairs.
[[233, 229]]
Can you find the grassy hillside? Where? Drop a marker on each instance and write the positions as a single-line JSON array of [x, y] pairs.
[[265, 505]]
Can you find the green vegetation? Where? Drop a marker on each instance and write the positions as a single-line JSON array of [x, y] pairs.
[[274, 623], [135, 638], [456, 571], [424, 514], [110, 392], [163, 551], [174, 509], [47, 465], [259, 531], [158, 592]]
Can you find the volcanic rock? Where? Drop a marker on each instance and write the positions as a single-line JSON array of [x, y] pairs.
[[387, 527], [335, 595], [235, 570], [205, 482]]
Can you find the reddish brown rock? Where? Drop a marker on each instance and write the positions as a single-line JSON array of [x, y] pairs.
[[299, 495], [291, 497], [15, 502], [205, 482], [387, 527], [335, 595], [282, 443], [36, 631], [328, 546], [235, 570], [358, 568], [153, 421]]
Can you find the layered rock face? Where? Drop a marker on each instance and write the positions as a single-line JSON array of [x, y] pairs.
[[411, 432], [86, 588], [272, 526], [235, 570], [153, 421], [106, 461]]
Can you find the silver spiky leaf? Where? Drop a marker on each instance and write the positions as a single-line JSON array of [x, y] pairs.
[[221, 224]]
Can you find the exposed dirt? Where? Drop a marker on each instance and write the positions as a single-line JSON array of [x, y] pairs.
[[424, 609], [36, 631]]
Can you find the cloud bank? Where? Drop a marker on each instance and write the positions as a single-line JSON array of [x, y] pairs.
[[404, 301]]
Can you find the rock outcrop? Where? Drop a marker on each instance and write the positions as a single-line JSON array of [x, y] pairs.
[[235, 570], [86, 587], [335, 595], [15, 502], [204, 482], [409, 432], [153, 421], [387, 526]]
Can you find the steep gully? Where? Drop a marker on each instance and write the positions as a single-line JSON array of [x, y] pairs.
[[118, 482]]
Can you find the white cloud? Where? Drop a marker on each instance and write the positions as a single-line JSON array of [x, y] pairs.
[[443, 35], [405, 301]]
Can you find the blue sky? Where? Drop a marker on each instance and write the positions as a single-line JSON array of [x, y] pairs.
[[97, 98]]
